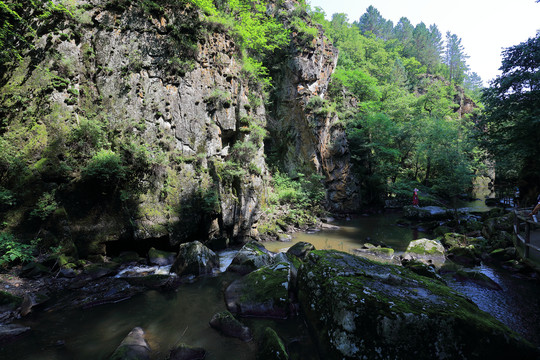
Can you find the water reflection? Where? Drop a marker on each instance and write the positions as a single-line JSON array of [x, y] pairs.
[[352, 234]]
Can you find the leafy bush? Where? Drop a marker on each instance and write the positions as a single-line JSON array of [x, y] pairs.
[[106, 167], [45, 206], [12, 250], [302, 192]]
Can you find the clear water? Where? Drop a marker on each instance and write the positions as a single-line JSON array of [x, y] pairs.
[[352, 234]]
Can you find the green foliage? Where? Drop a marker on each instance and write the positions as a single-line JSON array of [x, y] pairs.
[[13, 251], [302, 192], [105, 167], [512, 115], [45, 206]]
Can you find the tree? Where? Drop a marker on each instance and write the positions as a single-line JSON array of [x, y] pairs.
[[455, 59], [512, 114], [372, 22], [473, 85]]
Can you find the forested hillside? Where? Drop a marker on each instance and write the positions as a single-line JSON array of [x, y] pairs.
[[416, 106], [226, 120]]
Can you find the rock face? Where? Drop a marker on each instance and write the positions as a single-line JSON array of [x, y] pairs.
[[191, 124], [311, 141], [362, 309]]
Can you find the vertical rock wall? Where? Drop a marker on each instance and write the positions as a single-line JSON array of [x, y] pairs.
[[309, 141]]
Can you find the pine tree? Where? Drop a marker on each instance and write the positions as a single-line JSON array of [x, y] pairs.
[[455, 59]]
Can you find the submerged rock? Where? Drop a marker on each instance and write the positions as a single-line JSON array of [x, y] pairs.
[[186, 352], [133, 347], [272, 347], [250, 257], [363, 309], [228, 325], [195, 259], [10, 331], [262, 293]]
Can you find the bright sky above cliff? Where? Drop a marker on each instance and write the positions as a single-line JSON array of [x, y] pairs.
[[485, 27]]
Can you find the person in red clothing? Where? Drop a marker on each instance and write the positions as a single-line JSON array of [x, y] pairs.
[[415, 197]]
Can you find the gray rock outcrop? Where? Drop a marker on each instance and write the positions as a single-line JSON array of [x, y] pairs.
[[363, 309]]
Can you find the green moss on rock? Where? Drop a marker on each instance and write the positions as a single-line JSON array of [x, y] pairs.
[[360, 308]]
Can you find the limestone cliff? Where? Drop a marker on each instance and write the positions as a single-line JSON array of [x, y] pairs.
[[110, 83], [307, 140]]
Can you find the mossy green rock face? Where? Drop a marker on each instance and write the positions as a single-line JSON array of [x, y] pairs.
[[262, 293], [195, 259], [272, 348], [362, 309], [133, 347], [250, 257]]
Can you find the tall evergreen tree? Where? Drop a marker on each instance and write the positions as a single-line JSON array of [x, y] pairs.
[[372, 21], [455, 58], [403, 32]]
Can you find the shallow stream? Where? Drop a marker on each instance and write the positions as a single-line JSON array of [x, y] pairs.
[[183, 315]]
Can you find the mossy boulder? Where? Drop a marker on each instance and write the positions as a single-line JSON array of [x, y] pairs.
[[187, 352], [425, 250], [379, 253], [362, 309], [133, 347], [462, 249], [250, 257], [195, 259], [426, 213], [228, 325], [422, 269], [501, 223], [300, 249], [271, 347], [261, 293], [160, 257]]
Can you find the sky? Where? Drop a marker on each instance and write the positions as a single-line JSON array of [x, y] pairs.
[[485, 27]]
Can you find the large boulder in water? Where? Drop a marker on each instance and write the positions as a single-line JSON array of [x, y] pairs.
[[250, 257], [425, 250], [133, 347], [427, 213], [363, 309], [261, 293], [195, 259]]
